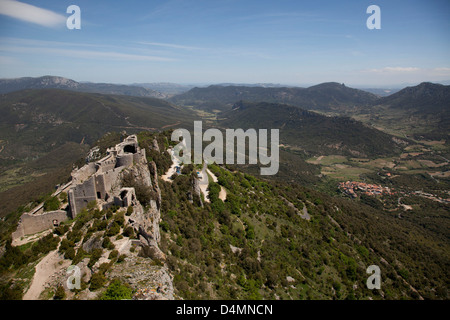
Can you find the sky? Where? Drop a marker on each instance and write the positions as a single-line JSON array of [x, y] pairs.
[[228, 41]]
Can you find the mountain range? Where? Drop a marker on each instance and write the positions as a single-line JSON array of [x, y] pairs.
[[35, 121], [312, 132], [323, 97], [52, 82]]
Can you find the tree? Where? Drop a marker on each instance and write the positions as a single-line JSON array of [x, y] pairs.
[[52, 204], [117, 291], [97, 281], [113, 229], [60, 293]]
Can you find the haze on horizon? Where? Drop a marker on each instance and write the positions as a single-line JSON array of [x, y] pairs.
[[181, 41]]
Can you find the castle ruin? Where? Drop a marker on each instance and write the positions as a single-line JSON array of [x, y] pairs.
[[96, 181], [99, 181]]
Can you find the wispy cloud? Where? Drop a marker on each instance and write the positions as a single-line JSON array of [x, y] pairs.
[[394, 70], [25, 46], [170, 45], [88, 54], [407, 74], [213, 52], [29, 13]]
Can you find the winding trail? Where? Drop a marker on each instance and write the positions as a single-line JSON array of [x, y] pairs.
[[223, 192], [172, 170], [204, 182], [44, 270]]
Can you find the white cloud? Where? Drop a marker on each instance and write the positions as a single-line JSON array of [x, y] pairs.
[[29, 13], [394, 70]]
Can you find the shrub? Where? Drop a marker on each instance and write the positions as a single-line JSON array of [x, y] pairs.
[[98, 280], [129, 232], [79, 256], [117, 291], [95, 255], [70, 253], [60, 230], [107, 244], [63, 197], [60, 293], [113, 254], [52, 204], [119, 218], [113, 229], [130, 210]]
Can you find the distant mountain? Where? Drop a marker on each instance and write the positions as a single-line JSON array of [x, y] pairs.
[[328, 97], [311, 132], [52, 82], [423, 110], [424, 98], [34, 122], [381, 92], [262, 85], [165, 88]]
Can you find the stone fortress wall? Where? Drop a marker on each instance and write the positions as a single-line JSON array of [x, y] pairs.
[[34, 223], [96, 181]]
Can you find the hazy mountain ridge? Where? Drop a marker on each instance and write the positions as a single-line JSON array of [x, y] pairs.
[[53, 82], [329, 96], [58, 125], [312, 132], [324, 97]]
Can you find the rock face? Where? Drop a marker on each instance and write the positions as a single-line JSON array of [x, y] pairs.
[[145, 271], [152, 282], [195, 191]]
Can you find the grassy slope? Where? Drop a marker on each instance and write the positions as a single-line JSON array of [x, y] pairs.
[[313, 133], [327, 256]]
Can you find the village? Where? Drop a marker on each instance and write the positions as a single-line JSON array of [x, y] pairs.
[[350, 188]]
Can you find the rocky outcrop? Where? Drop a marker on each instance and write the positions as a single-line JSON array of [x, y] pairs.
[[151, 281], [195, 191], [94, 242]]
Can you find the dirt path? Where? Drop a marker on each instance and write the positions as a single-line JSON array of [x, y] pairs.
[[171, 125], [223, 192], [172, 170], [47, 267], [204, 182]]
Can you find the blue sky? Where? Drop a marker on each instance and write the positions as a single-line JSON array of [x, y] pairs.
[[242, 41]]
